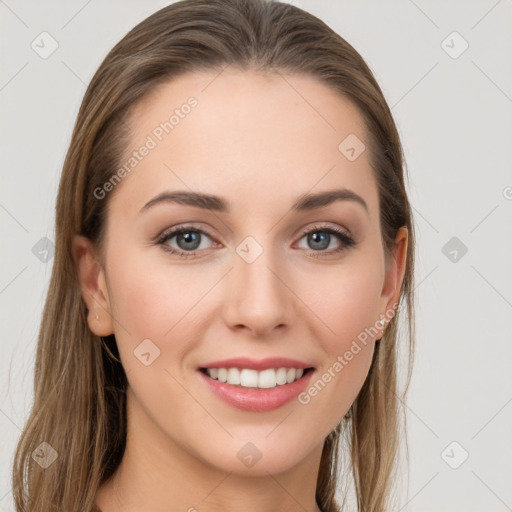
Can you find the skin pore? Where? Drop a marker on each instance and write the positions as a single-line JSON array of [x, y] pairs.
[[255, 142]]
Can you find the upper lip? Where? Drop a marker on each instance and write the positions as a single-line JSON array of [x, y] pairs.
[[257, 364]]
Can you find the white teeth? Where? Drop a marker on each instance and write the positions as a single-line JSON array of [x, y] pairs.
[[222, 375], [281, 376], [267, 379], [248, 378], [233, 376]]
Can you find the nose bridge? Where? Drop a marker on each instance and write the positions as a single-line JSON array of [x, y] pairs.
[[258, 298]]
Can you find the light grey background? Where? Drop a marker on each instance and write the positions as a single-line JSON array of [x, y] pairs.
[[454, 117]]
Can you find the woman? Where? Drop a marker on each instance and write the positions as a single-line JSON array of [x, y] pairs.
[[233, 242]]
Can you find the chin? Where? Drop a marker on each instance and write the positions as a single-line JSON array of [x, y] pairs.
[[259, 455]]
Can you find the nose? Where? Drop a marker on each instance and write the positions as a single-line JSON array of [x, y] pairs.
[[258, 298]]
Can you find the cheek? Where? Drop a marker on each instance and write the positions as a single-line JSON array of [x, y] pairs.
[[155, 301], [347, 302], [348, 305]]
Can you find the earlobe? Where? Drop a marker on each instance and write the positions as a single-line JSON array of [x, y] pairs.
[[92, 280]]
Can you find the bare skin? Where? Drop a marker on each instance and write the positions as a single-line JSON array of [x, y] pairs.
[[254, 141]]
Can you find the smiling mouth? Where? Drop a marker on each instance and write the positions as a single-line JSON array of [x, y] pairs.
[[249, 378]]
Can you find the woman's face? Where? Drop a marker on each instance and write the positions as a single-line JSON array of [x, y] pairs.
[[252, 275]]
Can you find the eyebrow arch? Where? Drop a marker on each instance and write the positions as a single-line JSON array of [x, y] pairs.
[[218, 204]]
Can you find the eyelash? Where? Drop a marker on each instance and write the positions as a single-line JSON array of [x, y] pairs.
[[346, 240]]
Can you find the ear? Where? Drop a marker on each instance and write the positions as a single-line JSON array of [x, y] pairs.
[[94, 288], [395, 272]]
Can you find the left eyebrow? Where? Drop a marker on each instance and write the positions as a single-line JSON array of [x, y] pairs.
[[313, 201], [216, 203]]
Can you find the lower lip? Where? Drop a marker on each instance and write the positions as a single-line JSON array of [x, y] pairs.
[[257, 400]]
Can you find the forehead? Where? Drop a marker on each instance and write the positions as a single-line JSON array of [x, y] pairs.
[[246, 132]]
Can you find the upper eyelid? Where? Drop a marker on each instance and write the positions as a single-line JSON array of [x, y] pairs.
[[166, 234]]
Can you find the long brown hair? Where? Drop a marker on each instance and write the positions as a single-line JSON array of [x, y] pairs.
[[79, 409]]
